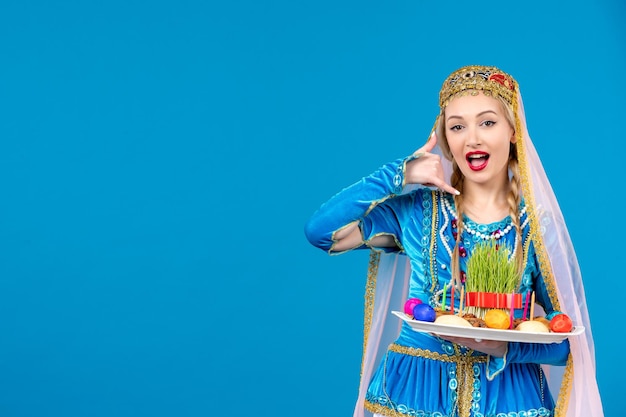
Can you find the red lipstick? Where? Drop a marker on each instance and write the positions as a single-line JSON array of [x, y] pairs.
[[477, 160]]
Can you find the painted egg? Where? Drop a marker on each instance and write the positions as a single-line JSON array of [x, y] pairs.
[[561, 323], [424, 312], [410, 304]]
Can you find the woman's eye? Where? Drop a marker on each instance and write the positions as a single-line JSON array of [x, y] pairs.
[[489, 123], [455, 128]]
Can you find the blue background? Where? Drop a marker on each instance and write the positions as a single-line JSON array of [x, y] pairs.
[[159, 160]]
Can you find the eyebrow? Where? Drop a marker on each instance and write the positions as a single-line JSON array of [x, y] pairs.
[[478, 115]]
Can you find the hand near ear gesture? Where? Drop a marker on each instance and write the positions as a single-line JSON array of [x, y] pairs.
[[426, 168]]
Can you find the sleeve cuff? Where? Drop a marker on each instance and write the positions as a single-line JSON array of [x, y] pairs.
[[495, 365], [399, 180]]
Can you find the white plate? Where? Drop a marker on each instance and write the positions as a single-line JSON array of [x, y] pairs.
[[486, 333]]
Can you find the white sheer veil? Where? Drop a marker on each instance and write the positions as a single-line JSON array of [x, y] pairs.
[[573, 386]]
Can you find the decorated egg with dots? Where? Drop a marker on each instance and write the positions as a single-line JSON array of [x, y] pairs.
[[424, 312], [410, 304]]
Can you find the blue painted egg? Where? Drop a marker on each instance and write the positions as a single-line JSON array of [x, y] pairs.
[[424, 312]]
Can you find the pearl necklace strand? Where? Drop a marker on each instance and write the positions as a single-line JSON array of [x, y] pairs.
[[484, 236], [496, 235], [466, 227]]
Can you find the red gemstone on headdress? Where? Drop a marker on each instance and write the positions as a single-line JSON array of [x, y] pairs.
[[462, 252], [502, 80], [454, 223], [463, 277]]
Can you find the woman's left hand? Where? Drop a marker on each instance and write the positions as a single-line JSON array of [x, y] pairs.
[[494, 348]]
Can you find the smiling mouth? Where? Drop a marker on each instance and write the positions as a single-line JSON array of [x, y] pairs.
[[477, 161]]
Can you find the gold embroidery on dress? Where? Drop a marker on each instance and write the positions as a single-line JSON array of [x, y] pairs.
[[464, 370], [370, 293], [382, 410], [566, 388]]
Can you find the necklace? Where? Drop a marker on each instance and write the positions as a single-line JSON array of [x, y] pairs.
[[485, 236], [467, 227]]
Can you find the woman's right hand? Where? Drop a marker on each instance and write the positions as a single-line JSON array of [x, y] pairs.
[[426, 168]]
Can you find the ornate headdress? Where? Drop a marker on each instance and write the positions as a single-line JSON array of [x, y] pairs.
[[490, 80]]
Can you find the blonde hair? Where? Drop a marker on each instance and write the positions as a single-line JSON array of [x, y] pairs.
[[514, 196]]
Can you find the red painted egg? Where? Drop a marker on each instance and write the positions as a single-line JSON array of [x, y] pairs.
[[561, 323]]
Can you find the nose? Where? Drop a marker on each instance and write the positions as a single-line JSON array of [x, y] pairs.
[[473, 137]]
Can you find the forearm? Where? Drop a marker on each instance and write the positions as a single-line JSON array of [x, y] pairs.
[[542, 353], [539, 353]]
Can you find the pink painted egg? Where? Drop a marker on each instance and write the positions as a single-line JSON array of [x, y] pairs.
[[410, 304]]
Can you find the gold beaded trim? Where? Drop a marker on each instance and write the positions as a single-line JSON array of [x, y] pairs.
[[490, 80], [423, 353], [464, 370], [379, 409], [566, 388], [370, 294]]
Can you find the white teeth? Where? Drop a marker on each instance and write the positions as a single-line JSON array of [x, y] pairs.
[[476, 156]]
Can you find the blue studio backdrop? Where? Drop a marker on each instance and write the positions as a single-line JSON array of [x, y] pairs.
[[159, 159]]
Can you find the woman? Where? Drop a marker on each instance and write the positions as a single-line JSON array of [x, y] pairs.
[[477, 179]]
